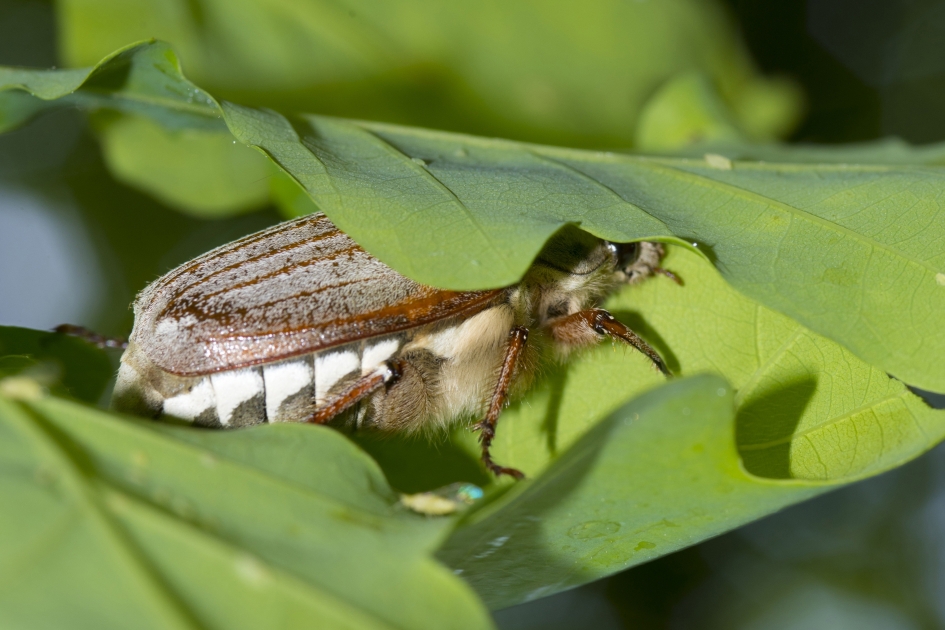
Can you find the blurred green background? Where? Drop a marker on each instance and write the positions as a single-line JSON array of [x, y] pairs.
[[76, 243]]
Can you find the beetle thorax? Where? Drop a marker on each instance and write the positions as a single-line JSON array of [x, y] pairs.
[[557, 287]]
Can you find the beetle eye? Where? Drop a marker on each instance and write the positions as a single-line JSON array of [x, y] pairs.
[[627, 254]]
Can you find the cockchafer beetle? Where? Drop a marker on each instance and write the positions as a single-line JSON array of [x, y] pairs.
[[298, 323]]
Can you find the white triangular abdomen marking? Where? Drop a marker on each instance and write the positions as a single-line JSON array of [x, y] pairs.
[[377, 353], [233, 388], [330, 367], [283, 380], [190, 405]]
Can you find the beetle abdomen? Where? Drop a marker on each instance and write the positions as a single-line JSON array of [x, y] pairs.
[[286, 391]]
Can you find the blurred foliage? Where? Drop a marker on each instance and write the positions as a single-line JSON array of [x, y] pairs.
[[553, 72], [557, 73], [68, 365]]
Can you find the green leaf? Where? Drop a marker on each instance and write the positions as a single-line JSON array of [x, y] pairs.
[[659, 474], [109, 520], [886, 151], [577, 74], [143, 79], [800, 411], [684, 111], [67, 364], [840, 248], [170, 141], [806, 407], [515, 77], [199, 172], [289, 197]]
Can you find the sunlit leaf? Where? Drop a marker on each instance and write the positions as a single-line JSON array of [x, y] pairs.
[[200, 172], [806, 407], [802, 410]]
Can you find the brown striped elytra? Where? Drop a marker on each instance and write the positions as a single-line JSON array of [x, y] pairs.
[[298, 323]]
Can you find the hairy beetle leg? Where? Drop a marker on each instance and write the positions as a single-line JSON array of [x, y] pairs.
[[360, 389], [518, 337], [585, 327], [606, 324]]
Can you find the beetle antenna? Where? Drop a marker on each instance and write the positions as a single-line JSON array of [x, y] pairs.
[[91, 336]]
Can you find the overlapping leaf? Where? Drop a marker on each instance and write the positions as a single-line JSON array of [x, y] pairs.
[[841, 248], [398, 62], [107, 520], [806, 408], [849, 250], [804, 415], [659, 474]]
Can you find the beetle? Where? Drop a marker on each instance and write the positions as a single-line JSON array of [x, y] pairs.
[[299, 323]]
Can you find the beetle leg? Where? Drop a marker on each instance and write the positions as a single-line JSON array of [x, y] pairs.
[[585, 326], [92, 337], [518, 336], [669, 274], [357, 391]]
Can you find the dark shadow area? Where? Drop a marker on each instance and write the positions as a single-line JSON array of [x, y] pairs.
[[841, 107], [27, 33], [637, 324], [416, 464], [936, 401], [549, 425], [869, 68], [114, 77], [771, 418], [646, 596], [78, 369]]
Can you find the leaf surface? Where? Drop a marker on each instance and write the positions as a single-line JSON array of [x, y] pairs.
[[804, 414], [67, 364], [850, 251], [843, 249], [113, 520], [658, 474], [806, 408]]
